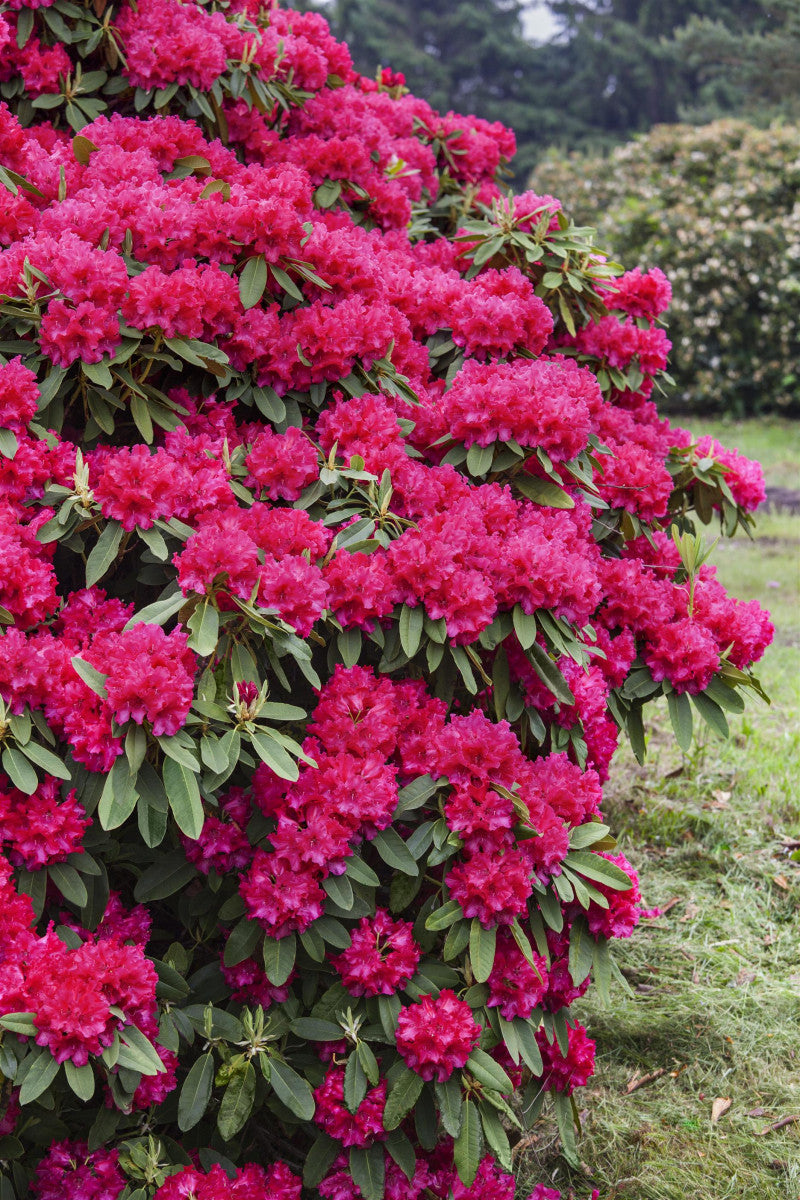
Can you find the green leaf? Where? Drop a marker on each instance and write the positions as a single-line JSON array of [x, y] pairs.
[[168, 875], [252, 281], [19, 770], [602, 970], [586, 835], [489, 1073], [581, 950], [69, 883], [566, 1128], [119, 795], [367, 1170], [410, 628], [394, 852], [20, 1022], [528, 1046], [680, 713], [45, 759], [340, 890], [103, 552], [712, 714], [279, 958], [8, 443], [319, 1159], [292, 1090], [355, 1083], [586, 862], [450, 1102], [135, 1044], [237, 1103], [243, 939], [468, 1145], [183, 794], [444, 917], [273, 754], [479, 458], [402, 1097], [543, 491], [414, 794], [196, 1092], [359, 872], [496, 1136], [204, 627], [177, 749], [38, 1078], [549, 674], [525, 627], [482, 944], [402, 1152], [90, 676], [80, 1079], [313, 1029], [157, 613]]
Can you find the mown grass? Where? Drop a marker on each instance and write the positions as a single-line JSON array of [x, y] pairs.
[[715, 982]]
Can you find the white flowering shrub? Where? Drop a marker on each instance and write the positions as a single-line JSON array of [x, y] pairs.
[[718, 209]]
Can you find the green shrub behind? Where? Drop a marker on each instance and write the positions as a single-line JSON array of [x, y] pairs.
[[717, 207]]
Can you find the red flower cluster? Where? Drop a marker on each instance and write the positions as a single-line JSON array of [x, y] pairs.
[[437, 1035]]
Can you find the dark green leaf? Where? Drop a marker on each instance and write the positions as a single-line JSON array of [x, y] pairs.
[[279, 958], [450, 1102], [581, 950], [367, 1170], [468, 1146], [481, 949], [593, 866], [80, 1079], [543, 491], [680, 713], [252, 281], [103, 553], [196, 1092], [402, 1097], [395, 852], [165, 877], [39, 1077], [237, 1103], [355, 1083], [183, 794], [414, 794], [410, 627], [292, 1090], [712, 714], [549, 674], [90, 676], [489, 1073], [319, 1159]]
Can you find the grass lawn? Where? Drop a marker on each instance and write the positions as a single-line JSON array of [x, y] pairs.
[[714, 1009]]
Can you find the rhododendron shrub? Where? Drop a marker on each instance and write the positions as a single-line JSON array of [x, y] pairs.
[[341, 540]]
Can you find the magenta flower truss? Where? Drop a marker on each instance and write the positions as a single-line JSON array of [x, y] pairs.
[[341, 541]]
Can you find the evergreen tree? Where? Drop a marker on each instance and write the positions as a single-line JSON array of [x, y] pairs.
[[749, 66]]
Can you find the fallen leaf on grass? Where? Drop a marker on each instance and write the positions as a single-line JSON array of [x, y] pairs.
[[719, 1107], [776, 1125], [782, 882], [745, 976], [670, 904], [639, 1081], [757, 1112], [691, 912]]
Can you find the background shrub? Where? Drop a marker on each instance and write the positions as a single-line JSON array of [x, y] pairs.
[[717, 209]]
